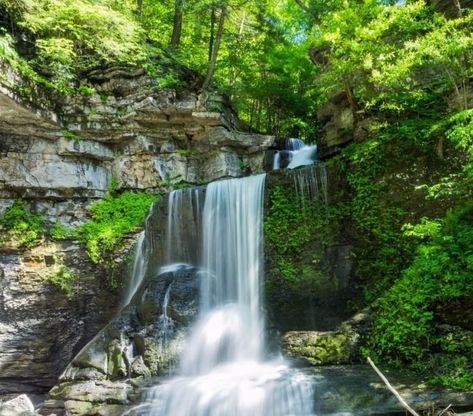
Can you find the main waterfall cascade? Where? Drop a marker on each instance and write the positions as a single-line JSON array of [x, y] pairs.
[[224, 368]]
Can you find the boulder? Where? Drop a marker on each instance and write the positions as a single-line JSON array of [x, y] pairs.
[[19, 406], [338, 347], [144, 339]]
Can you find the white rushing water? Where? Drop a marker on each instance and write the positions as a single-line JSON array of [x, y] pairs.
[[137, 272], [295, 154], [224, 370]]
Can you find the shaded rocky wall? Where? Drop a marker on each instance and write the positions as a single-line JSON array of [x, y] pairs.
[[41, 328], [60, 154]]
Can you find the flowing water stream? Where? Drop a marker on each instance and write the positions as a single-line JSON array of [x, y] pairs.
[[225, 369]]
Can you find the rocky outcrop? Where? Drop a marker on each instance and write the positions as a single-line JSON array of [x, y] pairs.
[[451, 8], [129, 129], [309, 263], [143, 340], [41, 327], [337, 123]]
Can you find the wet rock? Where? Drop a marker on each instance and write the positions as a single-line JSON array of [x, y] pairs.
[[19, 406], [142, 339], [92, 392], [41, 329], [331, 347]]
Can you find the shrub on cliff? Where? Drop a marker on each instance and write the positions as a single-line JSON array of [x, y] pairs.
[[111, 219], [20, 227]]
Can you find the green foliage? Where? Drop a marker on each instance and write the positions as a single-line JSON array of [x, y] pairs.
[[292, 223], [62, 276], [442, 269], [20, 226], [111, 219], [383, 251], [387, 55], [70, 135], [61, 232], [454, 372]]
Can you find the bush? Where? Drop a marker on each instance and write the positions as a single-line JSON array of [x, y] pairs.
[[442, 269], [20, 226], [112, 218], [62, 277]]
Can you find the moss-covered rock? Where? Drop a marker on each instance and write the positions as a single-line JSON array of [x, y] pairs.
[[309, 267], [116, 361], [338, 347], [321, 348]]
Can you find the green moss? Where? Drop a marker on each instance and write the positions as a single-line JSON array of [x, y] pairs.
[[61, 232], [62, 276], [111, 219], [331, 348], [20, 226], [298, 231], [70, 135]]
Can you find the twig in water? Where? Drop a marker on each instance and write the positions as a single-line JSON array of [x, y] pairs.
[[444, 410], [392, 389]]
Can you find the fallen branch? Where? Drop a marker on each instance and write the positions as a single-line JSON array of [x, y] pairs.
[[444, 410], [392, 389]]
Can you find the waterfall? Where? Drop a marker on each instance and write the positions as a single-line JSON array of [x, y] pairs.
[[137, 272], [293, 154], [224, 369], [311, 183]]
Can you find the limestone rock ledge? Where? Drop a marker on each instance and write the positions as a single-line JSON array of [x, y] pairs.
[[130, 129]]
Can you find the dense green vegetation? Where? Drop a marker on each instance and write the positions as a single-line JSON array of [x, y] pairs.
[[253, 52], [405, 71], [111, 219], [20, 227]]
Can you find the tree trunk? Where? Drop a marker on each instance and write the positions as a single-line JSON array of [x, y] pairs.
[[139, 8], [177, 27], [216, 47], [302, 5], [213, 19], [458, 7]]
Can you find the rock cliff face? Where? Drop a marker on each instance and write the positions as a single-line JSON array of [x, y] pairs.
[[144, 137], [41, 329], [61, 153]]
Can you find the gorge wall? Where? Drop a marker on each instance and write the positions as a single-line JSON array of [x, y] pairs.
[[59, 154]]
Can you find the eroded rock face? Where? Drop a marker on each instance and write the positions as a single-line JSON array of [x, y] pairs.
[[143, 340], [145, 137], [41, 328]]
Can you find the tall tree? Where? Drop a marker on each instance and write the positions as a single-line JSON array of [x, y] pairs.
[[139, 8], [177, 26], [216, 47]]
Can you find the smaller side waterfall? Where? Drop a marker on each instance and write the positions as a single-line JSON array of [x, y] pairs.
[[137, 272], [294, 153], [311, 183]]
